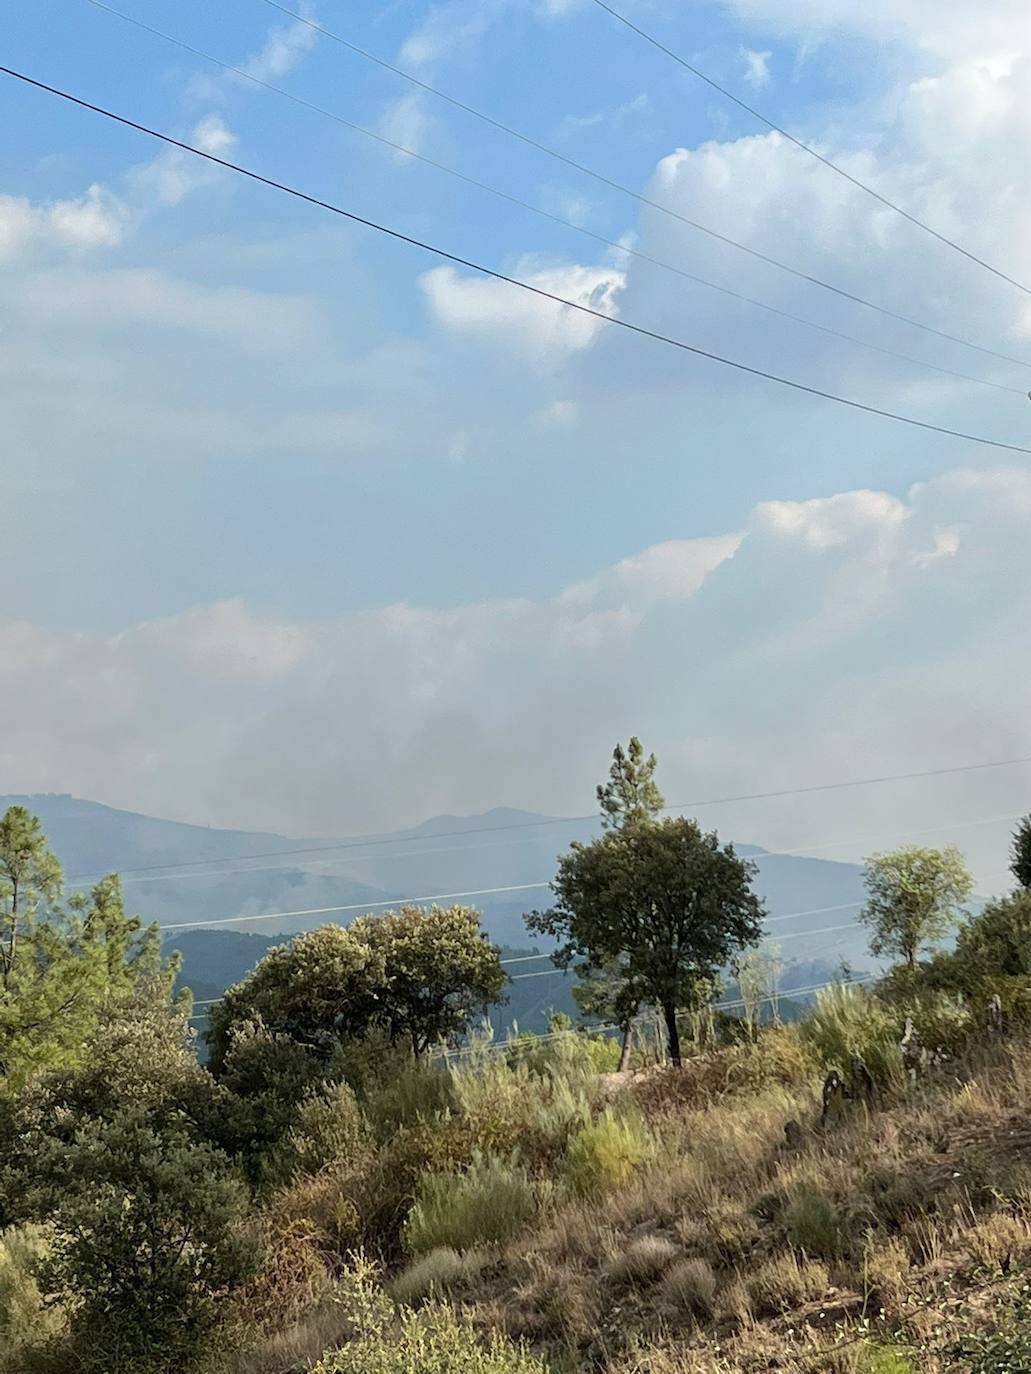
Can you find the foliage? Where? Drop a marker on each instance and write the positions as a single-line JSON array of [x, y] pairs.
[[485, 1205], [419, 976], [428, 1342], [995, 943], [631, 794], [604, 1154], [785, 1281], [144, 1240], [1020, 853], [439, 969], [670, 901], [416, 1091], [25, 1322], [30, 878], [1005, 1351], [847, 1021], [914, 897], [435, 1274], [812, 1224]]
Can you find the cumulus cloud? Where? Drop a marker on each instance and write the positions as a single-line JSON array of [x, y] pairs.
[[511, 317], [285, 47]]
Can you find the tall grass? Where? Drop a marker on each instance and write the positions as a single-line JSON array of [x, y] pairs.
[[486, 1205]]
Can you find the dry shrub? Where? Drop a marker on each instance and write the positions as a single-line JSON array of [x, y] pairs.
[[642, 1261], [435, 1275], [26, 1320], [784, 1282], [998, 1238], [731, 1230], [486, 1205], [689, 1287], [886, 1268]]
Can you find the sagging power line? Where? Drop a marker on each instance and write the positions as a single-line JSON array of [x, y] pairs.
[[581, 229], [808, 148]]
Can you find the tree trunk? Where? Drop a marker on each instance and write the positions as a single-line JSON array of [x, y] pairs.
[[624, 1049], [669, 1011]]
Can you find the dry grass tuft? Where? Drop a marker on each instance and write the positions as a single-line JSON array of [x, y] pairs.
[[785, 1281], [642, 1261], [689, 1288]]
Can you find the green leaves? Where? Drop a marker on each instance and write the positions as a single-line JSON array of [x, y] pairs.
[[914, 897]]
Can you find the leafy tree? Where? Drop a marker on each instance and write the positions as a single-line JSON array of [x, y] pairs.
[[1020, 853], [665, 898], [147, 1238], [914, 897], [631, 794], [417, 975], [439, 967], [30, 878]]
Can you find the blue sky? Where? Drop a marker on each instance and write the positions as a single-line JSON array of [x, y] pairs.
[[238, 429]]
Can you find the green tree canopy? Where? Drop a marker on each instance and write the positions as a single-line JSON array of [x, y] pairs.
[[30, 880], [631, 793], [914, 897], [665, 899], [1020, 853], [418, 975]]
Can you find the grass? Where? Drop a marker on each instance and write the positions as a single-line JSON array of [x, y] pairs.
[[486, 1205]]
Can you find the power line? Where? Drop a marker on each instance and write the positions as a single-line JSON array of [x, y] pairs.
[[530, 887], [538, 291], [808, 148], [547, 214], [571, 820], [628, 191]]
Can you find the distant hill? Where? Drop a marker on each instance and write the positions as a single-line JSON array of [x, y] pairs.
[[177, 874]]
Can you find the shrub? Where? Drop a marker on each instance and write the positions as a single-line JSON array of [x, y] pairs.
[[329, 1129], [811, 1221], [428, 1342], [416, 1092], [604, 1154], [642, 1261], [690, 1287], [25, 1321], [784, 1282], [145, 1240], [848, 1021], [435, 1274], [486, 1205]]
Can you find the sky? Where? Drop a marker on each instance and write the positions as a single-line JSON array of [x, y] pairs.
[[308, 530]]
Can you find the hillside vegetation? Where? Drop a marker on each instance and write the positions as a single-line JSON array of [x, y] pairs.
[[353, 1185]]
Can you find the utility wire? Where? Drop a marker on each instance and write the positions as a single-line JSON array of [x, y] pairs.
[[567, 820], [530, 887], [626, 190], [808, 148], [492, 273], [547, 214]]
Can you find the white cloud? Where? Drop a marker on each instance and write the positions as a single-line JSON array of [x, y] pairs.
[[285, 47], [173, 175], [559, 415], [757, 67], [95, 220], [515, 318], [405, 121], [727, 654]]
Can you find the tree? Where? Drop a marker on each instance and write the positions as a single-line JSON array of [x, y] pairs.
[[607, 992], [1020, 853], [996, 943], [439, 971], [914, 897], [30, 878], [147, 1238], [418, 975], [664, 897], [631, 794], [630, 797]]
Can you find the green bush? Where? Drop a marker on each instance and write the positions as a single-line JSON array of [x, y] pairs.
[[432, 1341], [486, 1205], [811, 1221], [848, 1021], [329, 1129], [417, 1091], [25, 1321], [146, 1241], [604, 1154]]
